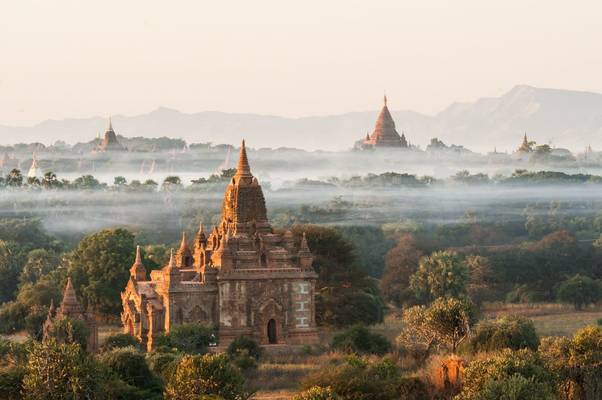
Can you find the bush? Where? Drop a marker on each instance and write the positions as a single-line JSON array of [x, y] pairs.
[[579, 291], [129, 365], [358, 339], [483, 374], [119, 340], [358, 378], [317, 393], [209, 374], [12, 316], [508, 332], [599, 322], [244, 352], [188, 338], [163, 364], [244, 344], [515, 387]]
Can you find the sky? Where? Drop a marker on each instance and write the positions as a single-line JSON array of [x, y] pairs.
[[76, 59]]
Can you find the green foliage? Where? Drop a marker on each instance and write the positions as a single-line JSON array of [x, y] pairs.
[[244, 344], [442, 274], [119, 340], [99, 267], [59, 371], [69, 331], [209, 374], [444, 324], [39, 263], [480, 376], [346, 294], [162, 363], [12, 316], [11, 259], [188, 338], [579, 291], [11, 382], [129, 365], [244, 352], [370, 246], [359, 378], [576, 363], [317, 393], [358, 339], [515, 387], [504, 333]]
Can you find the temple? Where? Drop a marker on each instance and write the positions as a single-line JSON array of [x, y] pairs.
[[385, 134], [109, 142], [241, 278], [525, 146], [71, 308]]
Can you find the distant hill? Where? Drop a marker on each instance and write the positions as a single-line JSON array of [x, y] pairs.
[[565, 118]]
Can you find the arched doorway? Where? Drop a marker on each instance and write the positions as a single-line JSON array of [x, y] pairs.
[[272, 336]]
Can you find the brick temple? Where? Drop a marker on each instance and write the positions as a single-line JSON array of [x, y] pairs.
[[384, 134], [242, 278]]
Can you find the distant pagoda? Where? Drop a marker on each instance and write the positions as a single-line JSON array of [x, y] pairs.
[[110, 142], [525, 147], [385, 134], [34, 171]]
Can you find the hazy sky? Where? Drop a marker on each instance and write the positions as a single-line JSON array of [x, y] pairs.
[[80, 58]]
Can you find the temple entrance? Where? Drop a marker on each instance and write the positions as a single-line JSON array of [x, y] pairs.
[[272, 338]]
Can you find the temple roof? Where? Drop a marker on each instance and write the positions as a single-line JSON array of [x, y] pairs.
[[110, 142], [70, 304], [384, 132]]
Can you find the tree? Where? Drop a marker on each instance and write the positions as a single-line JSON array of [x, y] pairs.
[[120, 181], [14, 178], [59, 371], [346, 294], [445, 323], [358, 339], [479, 285], [86, 182], [50, 181], [401, 262], [504, 333], [171, 183], [69, 331], [11, 259], [442, 274], [99, 267], [209, 374], [39, 263], [579, 291]]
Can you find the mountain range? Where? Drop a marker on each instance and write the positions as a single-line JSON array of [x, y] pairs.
[[562, 118]]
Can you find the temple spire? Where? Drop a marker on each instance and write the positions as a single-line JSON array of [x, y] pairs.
[[138, 256], [385, 100], [110, 124], [137, 271], [243, 169], [184, 242]]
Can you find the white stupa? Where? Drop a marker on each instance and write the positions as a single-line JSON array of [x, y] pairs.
[[34, 170]]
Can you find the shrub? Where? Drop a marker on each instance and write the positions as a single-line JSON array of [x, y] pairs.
[[119, 340], [508, 332], [12, 315], [358, 339], [209, 374], [188, 338], [359, 378], [515, 387], [579, 291], [129, 365], [244, 344], [599, 322], [317, 393], [163, 364], [482, 374]]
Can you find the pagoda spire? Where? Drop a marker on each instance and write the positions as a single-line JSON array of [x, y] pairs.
[[243, 169], [110, 124], [385, 98], [70, 306], [137, 271], [183, 243]]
